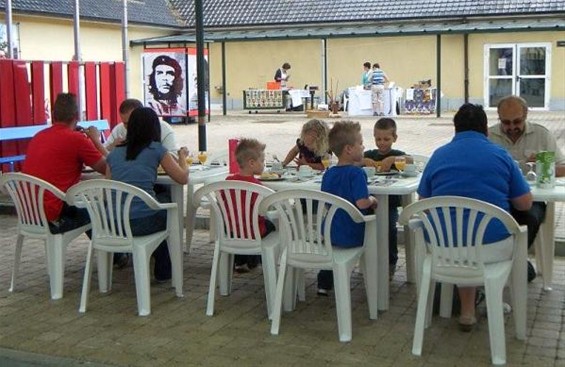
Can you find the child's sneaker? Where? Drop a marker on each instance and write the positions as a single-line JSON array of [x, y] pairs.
[[243, 268], [323, 292]]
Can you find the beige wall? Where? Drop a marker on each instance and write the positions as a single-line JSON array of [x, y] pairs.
[[406, 60]]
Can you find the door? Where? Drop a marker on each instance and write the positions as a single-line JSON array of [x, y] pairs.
[[519, 69]]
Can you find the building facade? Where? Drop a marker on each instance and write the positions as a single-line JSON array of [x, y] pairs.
[[473, 51]]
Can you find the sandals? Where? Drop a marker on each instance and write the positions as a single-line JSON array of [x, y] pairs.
[[467, 323]]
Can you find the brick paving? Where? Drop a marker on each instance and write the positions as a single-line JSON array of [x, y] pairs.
[[178, 333]]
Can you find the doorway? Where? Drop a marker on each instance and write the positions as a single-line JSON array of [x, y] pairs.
[[521, 69]]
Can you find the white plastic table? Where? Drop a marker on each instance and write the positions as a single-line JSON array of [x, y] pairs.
[[546, 234], [198, 174]]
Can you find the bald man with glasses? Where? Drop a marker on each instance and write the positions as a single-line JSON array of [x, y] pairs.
[[523, 139]]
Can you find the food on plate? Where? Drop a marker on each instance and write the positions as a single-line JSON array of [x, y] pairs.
[[269, 176]]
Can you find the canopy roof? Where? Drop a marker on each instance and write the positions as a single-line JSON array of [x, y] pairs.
[[459, 26]]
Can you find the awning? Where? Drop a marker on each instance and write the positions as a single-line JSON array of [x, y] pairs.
[[459, 26]]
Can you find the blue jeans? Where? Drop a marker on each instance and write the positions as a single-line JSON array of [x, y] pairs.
[[149, 225], [393, 204], [70, 218], [532, 218]]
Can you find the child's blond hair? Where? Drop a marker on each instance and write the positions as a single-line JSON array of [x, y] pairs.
[[248, 149], [343, 133], [321, 129]]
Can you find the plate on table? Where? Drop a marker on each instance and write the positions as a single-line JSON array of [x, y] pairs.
[[389, 173], [270, 176], [407, 174]]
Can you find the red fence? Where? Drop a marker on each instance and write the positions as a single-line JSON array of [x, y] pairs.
[[29, 88]]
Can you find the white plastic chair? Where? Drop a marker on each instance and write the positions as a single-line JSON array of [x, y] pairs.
[[455, 256], [108, 203], [307, 244], [27, 193], [239, 236]]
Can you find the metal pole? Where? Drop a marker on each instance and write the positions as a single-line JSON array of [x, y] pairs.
[[78, 57], [200, 66], [125, 45], [438, 72], [324, 70], [9, 34], [76, 27], [224, 85], [466, 65]]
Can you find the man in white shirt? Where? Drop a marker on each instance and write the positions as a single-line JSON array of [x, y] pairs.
[[523, 139], [119, 132]]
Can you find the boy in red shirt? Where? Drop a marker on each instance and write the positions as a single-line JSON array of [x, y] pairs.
[[250, 155]]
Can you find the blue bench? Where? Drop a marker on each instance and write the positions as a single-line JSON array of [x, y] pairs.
[[27, 132]]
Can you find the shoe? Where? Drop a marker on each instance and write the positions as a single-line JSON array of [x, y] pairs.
[[161, 281], [531, 272], [467, 323], [122, 260], [323, 292], [241, 269]]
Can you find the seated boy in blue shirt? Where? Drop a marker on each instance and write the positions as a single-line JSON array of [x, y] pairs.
[[349, 181]]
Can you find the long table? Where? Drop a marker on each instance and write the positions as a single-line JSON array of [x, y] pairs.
[[546, 234], [382, 188]]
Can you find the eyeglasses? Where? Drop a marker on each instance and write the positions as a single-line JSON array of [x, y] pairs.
[[515, 122]]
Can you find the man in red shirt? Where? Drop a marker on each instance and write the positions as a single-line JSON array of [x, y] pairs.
[[57, 155]]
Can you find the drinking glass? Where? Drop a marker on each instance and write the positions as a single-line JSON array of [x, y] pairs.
[[202, 156], [531, 174], [189, 159], [326, 161], [400, 163]]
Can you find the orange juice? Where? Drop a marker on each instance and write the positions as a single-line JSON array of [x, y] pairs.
[[202, 157]]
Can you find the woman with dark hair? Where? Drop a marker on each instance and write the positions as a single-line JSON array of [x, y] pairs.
[[281, 75], [135, 162]]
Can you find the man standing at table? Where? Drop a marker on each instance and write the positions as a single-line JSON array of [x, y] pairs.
[[488, 174], [367, 76], [379, 78], [57, 155], [523, 140]]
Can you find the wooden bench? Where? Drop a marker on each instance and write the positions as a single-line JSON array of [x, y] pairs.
[[27, 132]]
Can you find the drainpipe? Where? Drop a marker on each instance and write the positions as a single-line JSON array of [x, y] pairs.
[[125, 45]]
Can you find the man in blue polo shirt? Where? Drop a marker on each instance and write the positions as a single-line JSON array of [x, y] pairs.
[[472, 166]]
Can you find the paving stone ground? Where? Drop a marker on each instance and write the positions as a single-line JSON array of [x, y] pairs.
[[36, 331]]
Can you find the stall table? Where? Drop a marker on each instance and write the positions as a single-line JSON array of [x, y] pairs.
[[360, 102]]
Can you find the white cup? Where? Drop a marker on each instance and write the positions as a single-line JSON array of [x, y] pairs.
[[305, 171], [370, 171]]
